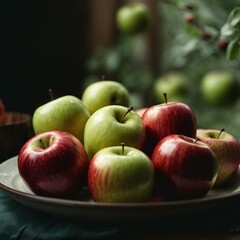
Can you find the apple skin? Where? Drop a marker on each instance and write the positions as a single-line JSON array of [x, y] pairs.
[[104, 93], [67, 113], [227, 150], [114, 176], [165, 119], [175, 84], [184, 169], [219, 88], [105, 129], [133, 18], [54, 164]]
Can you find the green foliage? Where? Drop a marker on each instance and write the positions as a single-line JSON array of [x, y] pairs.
[[184, 49], [231, 32]]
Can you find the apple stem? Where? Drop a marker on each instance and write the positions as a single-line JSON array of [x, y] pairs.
[[165, 97], [126, 113], [50, 92], [103, 77], [196, 140], [221, 131], [122, 144]]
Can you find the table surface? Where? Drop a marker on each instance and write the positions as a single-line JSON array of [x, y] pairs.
[[20, 222]]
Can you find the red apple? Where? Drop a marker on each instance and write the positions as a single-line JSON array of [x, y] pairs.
[[165, 119], [227, 149], [54, 164], [185, 168]]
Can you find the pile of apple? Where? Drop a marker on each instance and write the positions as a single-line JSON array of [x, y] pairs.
[[122, 155]]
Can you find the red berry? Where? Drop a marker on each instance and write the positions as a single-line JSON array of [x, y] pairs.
[[189, 18], [222, 44], [189, 6], [206, 35]]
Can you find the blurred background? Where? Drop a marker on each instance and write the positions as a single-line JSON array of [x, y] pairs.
[[66, 45]]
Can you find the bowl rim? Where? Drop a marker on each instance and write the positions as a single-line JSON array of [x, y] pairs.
[[25, 118]]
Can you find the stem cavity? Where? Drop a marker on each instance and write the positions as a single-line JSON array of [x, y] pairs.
[[43, 144], [126, 113]]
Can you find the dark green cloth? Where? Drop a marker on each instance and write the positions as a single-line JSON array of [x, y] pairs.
[[18, 222]]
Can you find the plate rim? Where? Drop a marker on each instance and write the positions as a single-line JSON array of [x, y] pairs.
[[150, 204], [36, 201]]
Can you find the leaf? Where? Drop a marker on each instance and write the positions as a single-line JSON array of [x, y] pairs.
[[234, 18], [231, 28], [227, 31], [194, 31], [233, 49]]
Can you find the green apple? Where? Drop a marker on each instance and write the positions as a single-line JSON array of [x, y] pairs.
[[219, 87], [133, 18], [67, 113], [104, 93], [174, 84], [120, 174], [111, 126]]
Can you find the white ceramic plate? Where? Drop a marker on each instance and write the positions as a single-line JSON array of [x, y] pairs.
[[84, 208]]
